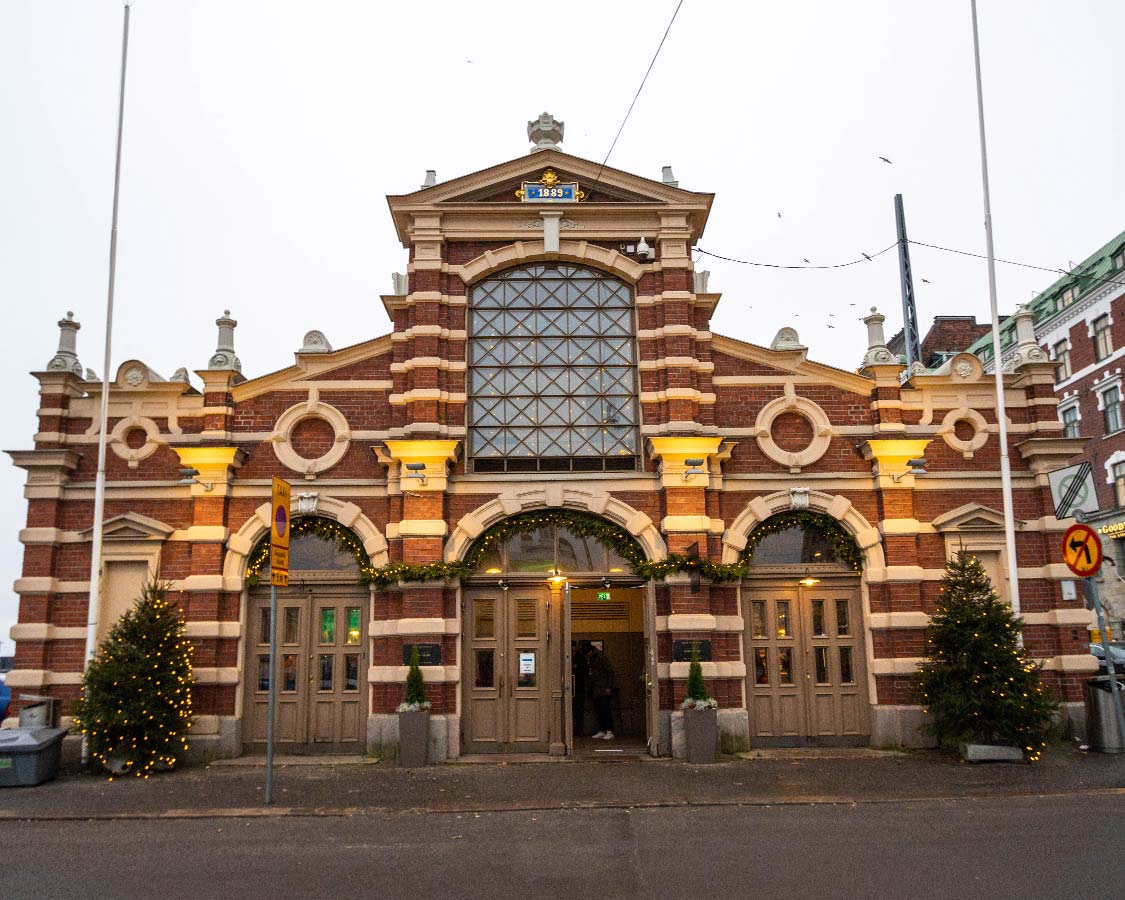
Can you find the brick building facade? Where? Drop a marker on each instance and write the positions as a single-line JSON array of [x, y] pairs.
[[545, 362], [1079, 322]]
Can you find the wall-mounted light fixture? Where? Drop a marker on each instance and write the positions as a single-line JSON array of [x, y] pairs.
[[693, 467], [189, 475], [416, 470], [916, 467], [809, 580]]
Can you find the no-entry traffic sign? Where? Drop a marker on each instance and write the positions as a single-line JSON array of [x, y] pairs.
[[1082, 550]]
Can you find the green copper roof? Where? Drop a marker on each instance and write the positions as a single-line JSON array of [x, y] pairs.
[[1091, 273]]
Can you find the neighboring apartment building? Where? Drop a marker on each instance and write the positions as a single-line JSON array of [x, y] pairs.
[[948, 336], [1080, 322], [547, 449]]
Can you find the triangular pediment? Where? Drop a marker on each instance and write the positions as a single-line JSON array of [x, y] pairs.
[[355, 364], [132, 526], [602, 185], [970, 517], [785, 365]]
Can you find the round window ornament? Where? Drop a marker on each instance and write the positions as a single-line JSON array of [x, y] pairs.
[[820, 431], [972, 427], [288, 422]]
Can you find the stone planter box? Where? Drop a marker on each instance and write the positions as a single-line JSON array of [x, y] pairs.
[[702, 729], [990, 753], [413, 738]]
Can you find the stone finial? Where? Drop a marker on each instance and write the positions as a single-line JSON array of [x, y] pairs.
[[877, 352], [91, 375], [431, 179], [315, 342], [668, 178], [66, 357], [400, 284], [1027, 348], [787, 339], [223, 357], [701, 278], [181, 375], [546, 132]]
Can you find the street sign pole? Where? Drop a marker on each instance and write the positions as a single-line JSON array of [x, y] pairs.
[[273, 694], [1096, 602], [279, 574]]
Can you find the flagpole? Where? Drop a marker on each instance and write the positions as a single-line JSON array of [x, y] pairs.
[[99, 483], [998, 369]]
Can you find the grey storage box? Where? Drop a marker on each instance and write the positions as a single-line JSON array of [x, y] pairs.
[[29, 756], [1102, 732]]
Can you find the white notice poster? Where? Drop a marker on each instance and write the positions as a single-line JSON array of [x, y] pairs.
[[527, 663]]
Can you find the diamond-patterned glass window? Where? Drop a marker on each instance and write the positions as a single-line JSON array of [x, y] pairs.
[[552, 372]]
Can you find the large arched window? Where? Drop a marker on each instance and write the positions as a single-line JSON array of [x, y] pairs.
[[552, 372]]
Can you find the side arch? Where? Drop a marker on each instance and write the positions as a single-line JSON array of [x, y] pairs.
[[580, 252], [599, 503], [241, 544], [840, 508]]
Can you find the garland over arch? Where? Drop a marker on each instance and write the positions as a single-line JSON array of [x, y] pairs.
[[325, 529], [844, 547]]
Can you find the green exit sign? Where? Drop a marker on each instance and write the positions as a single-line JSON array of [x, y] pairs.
[[603, 595]]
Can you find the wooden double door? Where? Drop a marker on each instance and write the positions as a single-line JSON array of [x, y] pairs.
[[321, 669], [806, 680], [507, 675]]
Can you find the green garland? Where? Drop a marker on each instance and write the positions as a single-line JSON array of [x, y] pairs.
[[843, 546], [325, 529]]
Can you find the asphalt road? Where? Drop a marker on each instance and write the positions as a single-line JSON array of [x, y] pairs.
[[995, 848]]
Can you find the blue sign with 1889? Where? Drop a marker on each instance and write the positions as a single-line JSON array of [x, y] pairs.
[[557, 193]]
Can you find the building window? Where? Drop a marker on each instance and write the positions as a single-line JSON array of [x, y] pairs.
[[1062, 361], [1119, 260], [1103, 343], [553, 373], [1111, 410], [1069, 296], [1119, 483], [1070, 421]]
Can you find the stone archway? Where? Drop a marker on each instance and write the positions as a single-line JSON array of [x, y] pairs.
[[840, 508], [241, 544], [599, 503], [579, 252]]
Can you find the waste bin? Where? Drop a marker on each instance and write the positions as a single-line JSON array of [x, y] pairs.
[[1102, 730], [29, 756]]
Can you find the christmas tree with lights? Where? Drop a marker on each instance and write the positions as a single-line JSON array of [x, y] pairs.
[[135, 708], [978, 683]]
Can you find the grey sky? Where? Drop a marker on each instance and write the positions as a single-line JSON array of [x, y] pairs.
[[261, 139]]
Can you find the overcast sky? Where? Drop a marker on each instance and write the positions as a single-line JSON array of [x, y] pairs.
[[262, 137]]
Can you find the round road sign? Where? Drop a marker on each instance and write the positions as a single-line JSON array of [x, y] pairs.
[[1082, 550], [281, 521]]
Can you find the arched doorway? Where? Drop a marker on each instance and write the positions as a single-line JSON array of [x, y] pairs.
[[322, 649], [806, 678], [551, 598]]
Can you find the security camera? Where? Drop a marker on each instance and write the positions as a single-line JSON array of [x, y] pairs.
[[644, 251]]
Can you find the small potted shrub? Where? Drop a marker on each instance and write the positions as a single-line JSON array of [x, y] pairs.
[[701, 717], [414, 718]]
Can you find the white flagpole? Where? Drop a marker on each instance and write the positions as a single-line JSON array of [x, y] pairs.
[[99, 483], [998, 369]]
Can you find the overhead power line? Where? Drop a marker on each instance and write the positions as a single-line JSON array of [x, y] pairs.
[[636, 96], [866, 258]]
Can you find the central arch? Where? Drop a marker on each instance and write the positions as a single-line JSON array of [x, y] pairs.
[[551, 595]]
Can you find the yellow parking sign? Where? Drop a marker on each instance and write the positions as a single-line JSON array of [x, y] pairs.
[[279, 533]]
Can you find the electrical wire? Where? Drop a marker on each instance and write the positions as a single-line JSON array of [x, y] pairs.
[[636, 96], [868, 258], [765, 265]]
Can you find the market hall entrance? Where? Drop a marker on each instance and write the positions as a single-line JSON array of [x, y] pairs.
[[536, 597], [321, 663]]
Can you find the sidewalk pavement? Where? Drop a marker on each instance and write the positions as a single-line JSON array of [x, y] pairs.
[[337, 788]]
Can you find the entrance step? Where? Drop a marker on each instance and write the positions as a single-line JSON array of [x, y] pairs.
[[820, 753], [315, 759]]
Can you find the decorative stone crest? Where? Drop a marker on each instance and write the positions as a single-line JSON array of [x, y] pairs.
[[181, 374], [537, 224], [223, 357], [134, 376], [787, 339], [798, 498], [962, 368], [546, 132], [65, 358], [316, 342], [307, 502]]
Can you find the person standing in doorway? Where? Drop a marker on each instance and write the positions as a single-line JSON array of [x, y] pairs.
[[600, 679], [579, 669]]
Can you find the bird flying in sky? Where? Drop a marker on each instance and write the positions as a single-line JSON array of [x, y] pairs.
[[887, 161], [865, 256]]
